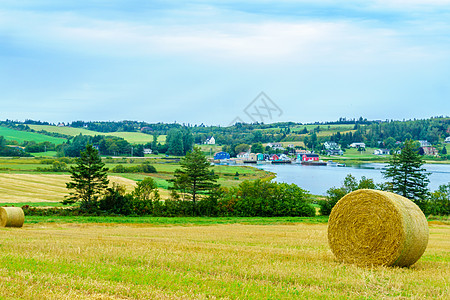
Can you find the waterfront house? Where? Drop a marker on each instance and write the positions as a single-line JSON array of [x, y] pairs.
[[447, 140], [243, 155], [308, 157], [222, 155], [274, 157]]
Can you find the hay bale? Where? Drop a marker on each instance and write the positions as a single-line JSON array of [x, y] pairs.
[[369, 227], [11, 217]]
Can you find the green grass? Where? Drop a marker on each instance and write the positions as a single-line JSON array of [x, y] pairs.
[[22, 136], [184, 221], [131, 137]]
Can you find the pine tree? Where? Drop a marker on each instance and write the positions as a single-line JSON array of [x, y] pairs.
[[89, 179], [195, 177], [407, 176]]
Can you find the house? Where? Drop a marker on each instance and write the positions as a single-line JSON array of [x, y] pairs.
[[428, 151], [147, 151], [357, 145], [276, 146], [261, 157], [291, 146], [331, 145], [243, 155], [210, 141], [425, 144], [252, 157], [447, 140], [301, 151], [221, 155], [284, 157], [335, 152], [381, 152], [60, 125], [308, 157], [274, 157]]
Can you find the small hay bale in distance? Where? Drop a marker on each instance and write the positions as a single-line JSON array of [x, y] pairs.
[[370, 227], [11, 217]]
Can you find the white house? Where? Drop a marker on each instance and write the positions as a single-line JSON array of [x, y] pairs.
[[447, 140], [243, 155], [357, 145], [210, 141], [147, 151], [425, 144], [331, 145], [381, 152]]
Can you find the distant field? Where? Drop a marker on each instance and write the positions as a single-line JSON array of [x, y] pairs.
[[51, 260], [131, 137], [21, 136]]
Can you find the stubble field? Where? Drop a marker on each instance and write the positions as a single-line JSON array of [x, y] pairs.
[[234, 261]]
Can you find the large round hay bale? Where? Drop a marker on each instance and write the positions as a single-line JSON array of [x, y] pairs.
[[369, 227], [11, 217]]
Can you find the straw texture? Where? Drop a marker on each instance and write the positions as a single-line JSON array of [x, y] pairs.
[[11, 217], [370, 227]]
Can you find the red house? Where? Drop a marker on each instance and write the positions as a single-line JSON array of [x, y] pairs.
[[274, 157], [310, 157]]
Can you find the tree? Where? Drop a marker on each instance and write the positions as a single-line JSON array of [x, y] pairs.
[[89, 179], [175, 142], [195, 177], [444, 150], [257, 148], [406, 174]]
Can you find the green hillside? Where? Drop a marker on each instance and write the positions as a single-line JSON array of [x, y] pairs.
[[131, 137], [21, 136]]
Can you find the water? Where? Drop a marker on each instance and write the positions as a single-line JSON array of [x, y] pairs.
[[318, 179]]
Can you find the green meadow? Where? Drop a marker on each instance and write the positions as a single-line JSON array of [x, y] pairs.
[[22, 136]]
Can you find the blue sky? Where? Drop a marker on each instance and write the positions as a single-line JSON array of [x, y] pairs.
[[206, 61]]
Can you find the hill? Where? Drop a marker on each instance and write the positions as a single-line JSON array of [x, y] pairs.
[[131, 137], [22, 136]]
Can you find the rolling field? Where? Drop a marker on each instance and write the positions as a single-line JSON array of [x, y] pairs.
[[29, 188], [131, 137], [234, 261], [21, 136]]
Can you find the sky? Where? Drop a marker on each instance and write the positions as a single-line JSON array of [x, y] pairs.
[[217, 62]]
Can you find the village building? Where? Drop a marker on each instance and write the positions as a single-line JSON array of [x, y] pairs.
[[428, 151], [424, 143], [308, 157], [447, 140], [357, 145], [210, 141], [147, 151], [381, 152], [221, 155]]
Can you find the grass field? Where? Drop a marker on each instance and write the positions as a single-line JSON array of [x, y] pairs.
[[21, 136], [131, 137], [227, 261], [31, 188]]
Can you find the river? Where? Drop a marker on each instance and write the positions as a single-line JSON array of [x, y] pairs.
[[318, 179]]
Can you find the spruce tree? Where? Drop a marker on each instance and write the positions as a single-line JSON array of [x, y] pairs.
[[406, 174], [195, 177], [89, 179]]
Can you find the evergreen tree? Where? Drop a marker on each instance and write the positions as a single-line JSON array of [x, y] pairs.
[[89, 179], [407, 176], [195, 177], [444, 150]]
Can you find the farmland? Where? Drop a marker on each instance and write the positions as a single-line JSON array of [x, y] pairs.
[[131, 137], [21, 182], [21, 136], [233, 261]]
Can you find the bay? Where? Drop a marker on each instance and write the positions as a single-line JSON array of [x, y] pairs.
[[318, 179]]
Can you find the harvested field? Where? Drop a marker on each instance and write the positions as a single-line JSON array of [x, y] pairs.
[[114, 261], [17, 188]]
